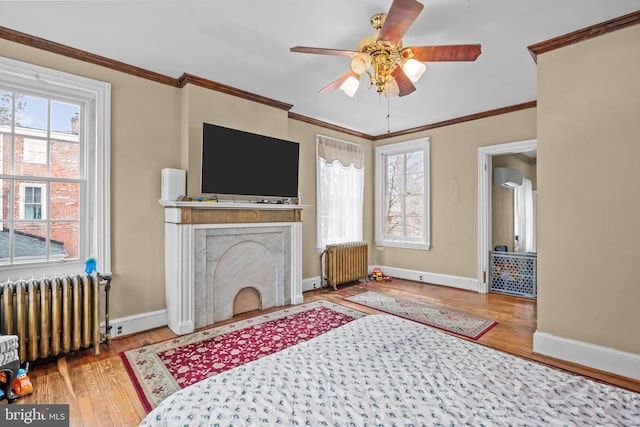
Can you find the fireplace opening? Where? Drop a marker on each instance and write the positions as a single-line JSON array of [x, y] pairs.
[[247, 299]]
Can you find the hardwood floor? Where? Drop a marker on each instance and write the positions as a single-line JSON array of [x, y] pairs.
[[99, 392]]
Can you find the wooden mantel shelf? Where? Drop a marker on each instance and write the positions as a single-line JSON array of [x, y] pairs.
[[195, 212]]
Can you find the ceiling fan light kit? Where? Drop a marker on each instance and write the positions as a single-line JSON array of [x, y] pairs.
[[350, 86], [413, 69], [392, 68]]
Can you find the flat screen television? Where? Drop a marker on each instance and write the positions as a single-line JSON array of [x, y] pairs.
[[235, 162]]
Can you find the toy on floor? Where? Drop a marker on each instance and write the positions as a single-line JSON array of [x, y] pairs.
[[21, 385], [376, 274]]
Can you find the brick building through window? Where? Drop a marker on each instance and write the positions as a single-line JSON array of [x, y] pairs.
[[40, 193]]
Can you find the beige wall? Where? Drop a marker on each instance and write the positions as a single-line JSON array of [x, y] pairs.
[[589, 191], [454, 193], [203, 105]]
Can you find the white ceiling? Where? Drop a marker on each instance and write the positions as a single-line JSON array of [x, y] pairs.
[[245, 44]]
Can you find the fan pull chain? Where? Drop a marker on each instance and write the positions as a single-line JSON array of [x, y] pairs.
[[388, 117]]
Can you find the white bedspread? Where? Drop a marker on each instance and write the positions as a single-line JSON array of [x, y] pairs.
[[382, 370]]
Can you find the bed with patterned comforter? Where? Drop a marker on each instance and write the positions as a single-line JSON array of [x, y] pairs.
[[382, 370]]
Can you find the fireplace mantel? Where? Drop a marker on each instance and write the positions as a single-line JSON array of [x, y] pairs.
[[230, 212], [186, 226]]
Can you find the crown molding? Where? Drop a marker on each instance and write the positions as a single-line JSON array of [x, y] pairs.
[[326, 125], [60, 49], [219, 87], [584, 34], [470, 117]]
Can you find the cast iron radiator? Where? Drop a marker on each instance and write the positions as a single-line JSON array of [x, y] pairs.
[[344, 263], [51, 315]]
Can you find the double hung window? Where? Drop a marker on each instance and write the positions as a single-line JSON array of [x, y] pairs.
[[54, 171], [402, 189]]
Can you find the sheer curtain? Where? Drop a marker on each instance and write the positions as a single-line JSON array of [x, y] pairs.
[[340, 191], [525, 217]]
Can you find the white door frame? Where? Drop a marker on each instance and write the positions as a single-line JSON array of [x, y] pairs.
[[485, 180]]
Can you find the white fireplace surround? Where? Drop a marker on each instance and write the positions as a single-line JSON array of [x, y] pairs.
[[208, 264]]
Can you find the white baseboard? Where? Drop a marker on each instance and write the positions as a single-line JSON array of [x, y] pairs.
[[467, 283], [156, 319], [311, 283], [591, 355], [138, 323]]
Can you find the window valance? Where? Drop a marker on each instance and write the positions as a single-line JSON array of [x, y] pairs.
[[347, 153]]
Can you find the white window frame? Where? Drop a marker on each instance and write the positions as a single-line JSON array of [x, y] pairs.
[[380, 185], [95, 98], [43, 194]]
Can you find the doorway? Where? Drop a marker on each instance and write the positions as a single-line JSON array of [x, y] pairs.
[[485, 181]]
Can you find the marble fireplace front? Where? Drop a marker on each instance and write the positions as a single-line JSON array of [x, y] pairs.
[[229, 260]]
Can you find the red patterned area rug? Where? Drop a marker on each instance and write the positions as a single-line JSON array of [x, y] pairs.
[[160, 369], [447, 320]]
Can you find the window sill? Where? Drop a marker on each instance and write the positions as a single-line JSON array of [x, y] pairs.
[[405, 245]]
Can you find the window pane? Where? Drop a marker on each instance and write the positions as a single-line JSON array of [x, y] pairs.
[[394, 204], [64, 240], [6, 108], [414, 227], [34, 151], [413, 205], [4, 247], [30, 242], [394, 226], [65, 139], [65, 156], [6, 201], [395, 173], [394, 184], [33, 113], [65, 118], [6, 147], [415, 183], [414, 162], [31, 155], [65, 201]]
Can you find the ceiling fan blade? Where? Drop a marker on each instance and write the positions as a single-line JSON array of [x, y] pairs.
[[336, 83], [404, 84], [322, 51], [454, 52], [401, 15]]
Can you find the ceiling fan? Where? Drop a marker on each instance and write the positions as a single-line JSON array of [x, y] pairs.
[[391, 68]]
